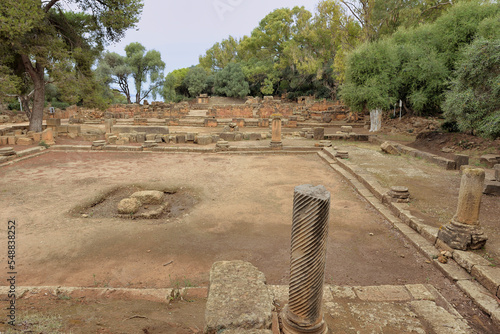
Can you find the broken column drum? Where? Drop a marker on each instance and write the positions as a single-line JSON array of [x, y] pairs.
[[463, 231], [303, 313]]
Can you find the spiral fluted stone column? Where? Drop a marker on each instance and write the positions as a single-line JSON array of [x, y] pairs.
[[276, 132], [303, 313], [463, 231]]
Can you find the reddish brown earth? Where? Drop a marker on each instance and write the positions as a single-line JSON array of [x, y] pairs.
[[242, 211]]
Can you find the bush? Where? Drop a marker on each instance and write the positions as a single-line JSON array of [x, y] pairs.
[[14, 106], [60, 105], [474, 98]]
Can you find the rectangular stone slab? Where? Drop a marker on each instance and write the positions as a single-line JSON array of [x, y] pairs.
[[238, 298]]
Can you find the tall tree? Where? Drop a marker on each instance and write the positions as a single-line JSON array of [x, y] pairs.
[[220, 55], [231, 82], [144, 65], [32, 45], [113, 69]]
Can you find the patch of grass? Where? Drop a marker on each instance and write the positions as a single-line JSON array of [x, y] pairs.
[[44, 144], [37, 323], [179, 284], [63, 297]]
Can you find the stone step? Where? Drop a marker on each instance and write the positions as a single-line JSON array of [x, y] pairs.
[[238, 299]]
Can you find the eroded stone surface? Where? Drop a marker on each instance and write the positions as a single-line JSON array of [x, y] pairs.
[[439, 319], [238, 298], [129, 206], [153, 197]]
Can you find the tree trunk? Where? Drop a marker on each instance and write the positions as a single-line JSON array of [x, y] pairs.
[[36, 74], [38, 104]]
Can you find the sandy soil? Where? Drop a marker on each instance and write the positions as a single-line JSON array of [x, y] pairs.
[[242, 211]]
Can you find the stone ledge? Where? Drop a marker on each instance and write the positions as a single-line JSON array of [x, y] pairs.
[[468, 260], [488, 276], [483, 298]]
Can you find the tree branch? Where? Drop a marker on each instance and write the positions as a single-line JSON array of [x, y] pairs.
[[50, 5]]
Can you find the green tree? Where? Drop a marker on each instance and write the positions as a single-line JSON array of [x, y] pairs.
[[144, 65], [231, 82], [113, 69], [220, 55], [474, 98], [174, 89], [31, 45], [196, 81]]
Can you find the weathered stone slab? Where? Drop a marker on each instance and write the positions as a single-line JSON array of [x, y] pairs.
[[6, 151], [238, 298], [497, 172], [147, 129], [490, 160]]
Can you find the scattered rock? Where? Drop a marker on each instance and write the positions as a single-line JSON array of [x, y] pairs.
[[443, 259], [129, 206]]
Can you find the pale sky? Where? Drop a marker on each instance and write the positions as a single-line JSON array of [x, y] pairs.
[[183, 30]]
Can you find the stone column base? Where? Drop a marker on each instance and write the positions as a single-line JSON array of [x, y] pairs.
[[462, 236], [276, 145], [289, 327]]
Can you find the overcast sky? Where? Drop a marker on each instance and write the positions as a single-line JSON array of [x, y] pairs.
[[183, 30]]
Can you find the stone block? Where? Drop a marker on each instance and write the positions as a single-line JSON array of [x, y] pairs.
[[490, 160], [238, 298], [37, 136], [62, 129], [461, 160], [76, 129], [228, 136], [497, 172], [491, 188], [238, 137], [48, 136], [3, 140], [255, 136], [180, 139], [141, 137], [389, 148], [112, 139], [204, 140], [53, 122], [319, 133], [210, 122], [150, 137], [25, 141], [190, 136], [489, 277], [11, 140], [346, 129]]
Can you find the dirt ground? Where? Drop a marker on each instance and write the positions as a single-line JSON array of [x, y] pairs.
[[241, 210]]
